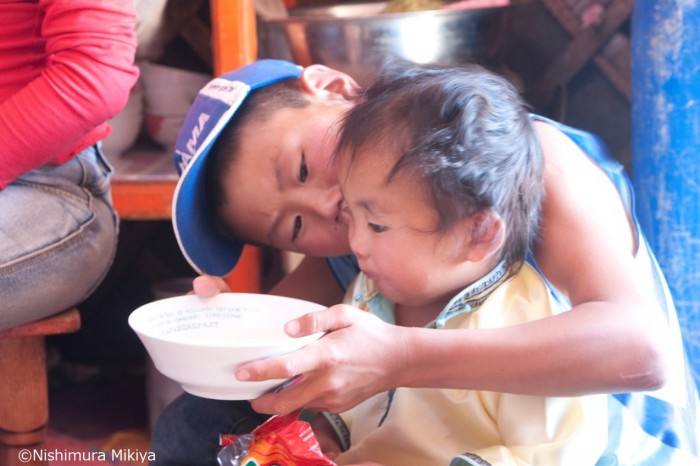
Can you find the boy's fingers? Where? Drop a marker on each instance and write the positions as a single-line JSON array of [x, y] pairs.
[[293, 397], [282, 367], [271, 404], [206, 286]]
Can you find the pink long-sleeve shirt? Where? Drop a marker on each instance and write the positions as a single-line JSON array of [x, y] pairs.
[[66, 67]]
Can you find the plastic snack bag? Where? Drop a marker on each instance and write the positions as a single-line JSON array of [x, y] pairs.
[[279, 441]]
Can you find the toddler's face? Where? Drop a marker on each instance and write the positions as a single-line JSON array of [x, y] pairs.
[[392, 232], [283, 191]]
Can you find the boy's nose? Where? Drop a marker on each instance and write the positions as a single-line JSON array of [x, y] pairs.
[[326, 203]]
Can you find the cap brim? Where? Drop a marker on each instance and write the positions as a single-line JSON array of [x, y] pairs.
[[205, 248]]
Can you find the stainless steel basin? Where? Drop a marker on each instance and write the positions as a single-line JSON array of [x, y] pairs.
[[355, 38]]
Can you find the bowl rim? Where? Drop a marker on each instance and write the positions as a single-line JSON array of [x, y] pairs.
[[137, 316], [305, 14]]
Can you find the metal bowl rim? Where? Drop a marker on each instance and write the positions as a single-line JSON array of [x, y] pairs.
[[329, 18]]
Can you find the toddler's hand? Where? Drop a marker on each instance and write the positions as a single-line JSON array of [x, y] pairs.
[[325, 436]]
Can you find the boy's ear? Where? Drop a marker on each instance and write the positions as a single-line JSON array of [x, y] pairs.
[[486, 235], [319, 80]]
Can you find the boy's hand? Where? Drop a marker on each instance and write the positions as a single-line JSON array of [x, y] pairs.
[[206, 286], [340, 370]]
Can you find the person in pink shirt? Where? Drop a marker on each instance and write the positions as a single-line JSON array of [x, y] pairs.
[[66, 68]]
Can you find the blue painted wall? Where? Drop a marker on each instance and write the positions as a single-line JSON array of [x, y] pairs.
[[666, 148]]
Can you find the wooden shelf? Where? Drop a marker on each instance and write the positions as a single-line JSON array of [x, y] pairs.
[[145, 177], [143, 184]]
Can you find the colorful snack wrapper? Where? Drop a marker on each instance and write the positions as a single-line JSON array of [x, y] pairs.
[[279, 441]]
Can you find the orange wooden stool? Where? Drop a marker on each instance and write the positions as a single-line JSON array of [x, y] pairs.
[[24, 399]]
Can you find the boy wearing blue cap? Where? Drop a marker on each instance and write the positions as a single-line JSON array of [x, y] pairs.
[[280, 190], [205, 241]]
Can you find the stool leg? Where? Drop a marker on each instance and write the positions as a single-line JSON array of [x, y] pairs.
[[24, 402]]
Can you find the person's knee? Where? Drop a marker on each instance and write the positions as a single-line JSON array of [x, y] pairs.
[[187, 432]]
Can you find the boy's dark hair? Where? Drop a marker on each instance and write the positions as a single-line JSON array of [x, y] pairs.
[[465, 132], [258, 107]]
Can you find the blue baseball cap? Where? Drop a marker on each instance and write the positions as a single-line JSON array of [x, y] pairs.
[[205, 248]]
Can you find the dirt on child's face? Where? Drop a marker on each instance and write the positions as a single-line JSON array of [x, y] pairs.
[[282, 190]]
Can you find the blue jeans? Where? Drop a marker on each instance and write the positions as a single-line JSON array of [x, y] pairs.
[[58, 237], [187, 431]]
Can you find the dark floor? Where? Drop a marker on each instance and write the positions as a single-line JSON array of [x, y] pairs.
[[98, 409], [96, 376], [100, 406], [97, 391]]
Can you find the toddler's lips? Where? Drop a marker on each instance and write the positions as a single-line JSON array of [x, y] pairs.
[[369, 275]]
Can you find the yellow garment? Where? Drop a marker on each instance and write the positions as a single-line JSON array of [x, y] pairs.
[[427, 427]]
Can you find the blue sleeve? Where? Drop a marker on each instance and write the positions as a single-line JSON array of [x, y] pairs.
[[344, 269]]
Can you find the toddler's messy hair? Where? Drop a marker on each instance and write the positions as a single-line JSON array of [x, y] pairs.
[[465, 132]]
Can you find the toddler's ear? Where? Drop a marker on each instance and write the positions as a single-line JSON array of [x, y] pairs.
[[486, 235], [329, 83]]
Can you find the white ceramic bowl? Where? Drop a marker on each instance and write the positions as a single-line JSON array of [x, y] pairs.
[[168, 95], [199, 343]]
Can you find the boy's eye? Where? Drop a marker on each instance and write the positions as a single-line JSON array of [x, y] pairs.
[[376, 228], [303, 169], [297, 227]]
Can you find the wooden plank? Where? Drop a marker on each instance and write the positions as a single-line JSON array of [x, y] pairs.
[[144, 183], [64, 322], [613, 60], [235, 43], [586, 44], [615, 63], [143, 200], [234, 34], [198, 36], [177, 14], [564, 15]]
